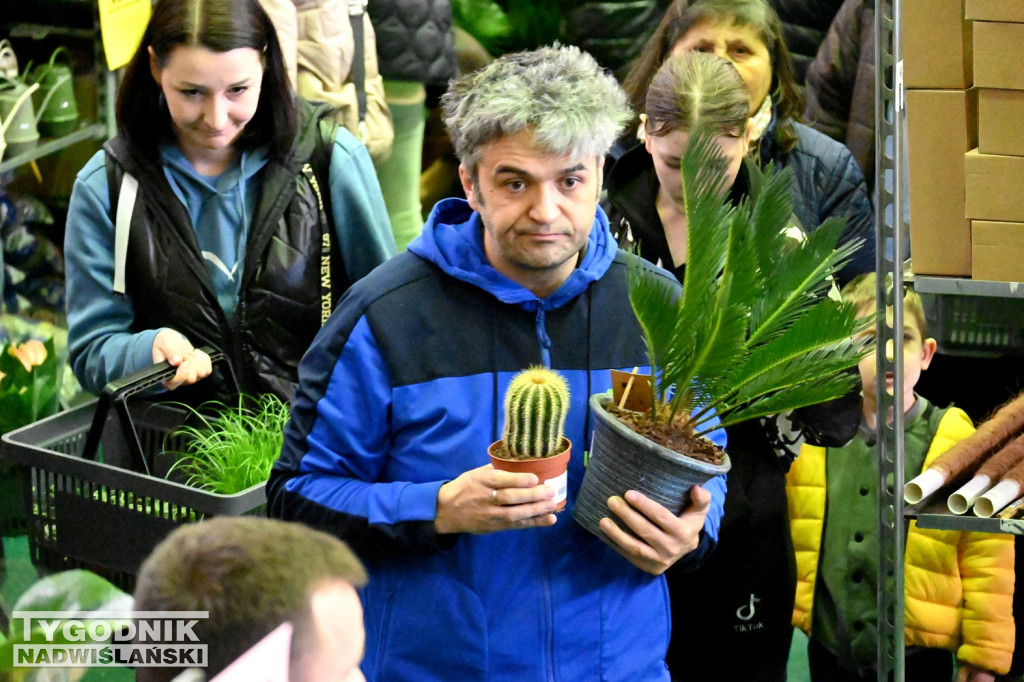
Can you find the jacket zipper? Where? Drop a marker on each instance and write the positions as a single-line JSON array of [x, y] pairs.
[[549, 634], [543, 339]]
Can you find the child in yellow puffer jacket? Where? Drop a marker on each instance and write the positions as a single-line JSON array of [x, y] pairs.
[[959, 585]]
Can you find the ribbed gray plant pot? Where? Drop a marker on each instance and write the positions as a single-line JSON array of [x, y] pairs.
[[622, 460]]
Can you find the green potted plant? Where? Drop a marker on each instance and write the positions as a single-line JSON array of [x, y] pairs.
[[754, 333], [30, 382], [230, 448], [533, 437]]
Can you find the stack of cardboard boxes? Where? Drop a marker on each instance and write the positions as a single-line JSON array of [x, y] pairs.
[[965, 136]]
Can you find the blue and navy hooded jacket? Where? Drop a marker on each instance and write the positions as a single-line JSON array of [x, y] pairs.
[[402, 392]]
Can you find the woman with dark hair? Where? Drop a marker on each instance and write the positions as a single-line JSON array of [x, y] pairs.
[[227, 213], [826, 179], [738, 624]]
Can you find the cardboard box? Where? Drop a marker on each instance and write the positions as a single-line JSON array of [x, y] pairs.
[[1000, 114], [997, 53], [941, 128], [998, 251], [995, 187], [995, 10], [937, 44]]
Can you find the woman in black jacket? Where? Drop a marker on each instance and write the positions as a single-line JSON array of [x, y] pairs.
[[644, 199]]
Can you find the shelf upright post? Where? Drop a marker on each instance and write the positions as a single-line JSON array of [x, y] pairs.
[[891, 249]]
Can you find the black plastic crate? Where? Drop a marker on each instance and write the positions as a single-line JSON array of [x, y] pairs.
[[102, 515], [983, 326]]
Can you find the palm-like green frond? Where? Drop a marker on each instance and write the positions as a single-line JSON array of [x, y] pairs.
[[655, 301], [798, 275], [771, 210], [753, 332]]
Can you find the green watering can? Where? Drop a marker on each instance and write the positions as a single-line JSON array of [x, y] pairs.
[[18, 132], [55, 100]]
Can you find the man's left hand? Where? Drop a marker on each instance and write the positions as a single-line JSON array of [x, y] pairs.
[[663, 537]]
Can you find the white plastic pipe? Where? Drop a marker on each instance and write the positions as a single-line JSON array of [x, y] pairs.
[[960, 501], [923, 485], [1003, 494]]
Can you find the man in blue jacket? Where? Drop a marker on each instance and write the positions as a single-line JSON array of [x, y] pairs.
[[473, 577]]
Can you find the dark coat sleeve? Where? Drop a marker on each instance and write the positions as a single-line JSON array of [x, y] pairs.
[[840, 88], [829, 82]]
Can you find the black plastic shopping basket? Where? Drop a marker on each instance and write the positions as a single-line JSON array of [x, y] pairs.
[[84, 487]]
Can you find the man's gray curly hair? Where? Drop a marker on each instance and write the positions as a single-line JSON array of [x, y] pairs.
[[561, 93]]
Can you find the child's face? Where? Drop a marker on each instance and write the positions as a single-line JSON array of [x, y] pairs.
[[917, 355]]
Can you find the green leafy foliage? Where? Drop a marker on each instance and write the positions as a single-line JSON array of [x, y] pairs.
[[232, 448], [78, 591], [754, 332], [30, 381], [508, 25]]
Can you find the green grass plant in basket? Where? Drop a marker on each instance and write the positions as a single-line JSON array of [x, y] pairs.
[[230, 448]]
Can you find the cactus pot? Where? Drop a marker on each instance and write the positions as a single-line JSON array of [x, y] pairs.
[[621, 460], [550, 470]]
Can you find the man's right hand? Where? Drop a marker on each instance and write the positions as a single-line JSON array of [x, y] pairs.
[[485, 500]]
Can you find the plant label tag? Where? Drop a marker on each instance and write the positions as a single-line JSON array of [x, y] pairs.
[[632, 391], [560, 483]]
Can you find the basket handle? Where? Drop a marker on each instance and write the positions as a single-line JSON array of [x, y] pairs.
[[116, 393]]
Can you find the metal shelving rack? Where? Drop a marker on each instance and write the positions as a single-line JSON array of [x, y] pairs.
[[890, 168], [968, 287], [103, 130], [889, 116]]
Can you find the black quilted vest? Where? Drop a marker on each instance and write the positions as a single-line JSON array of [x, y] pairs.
[[279, 304]]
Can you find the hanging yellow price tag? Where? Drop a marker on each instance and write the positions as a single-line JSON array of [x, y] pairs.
[[122, 23]]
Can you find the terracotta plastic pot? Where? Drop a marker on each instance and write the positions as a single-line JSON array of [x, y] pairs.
[[621, 460], [550, 470]]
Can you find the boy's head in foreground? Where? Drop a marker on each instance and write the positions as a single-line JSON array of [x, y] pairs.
[[253, 574], [918, 348]]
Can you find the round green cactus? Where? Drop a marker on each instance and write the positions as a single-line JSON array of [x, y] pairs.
[[536, 403]]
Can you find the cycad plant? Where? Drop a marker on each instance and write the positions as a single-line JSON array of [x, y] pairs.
[[755, 331]]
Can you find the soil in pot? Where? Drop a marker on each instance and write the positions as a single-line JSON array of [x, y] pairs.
[[668, 436]]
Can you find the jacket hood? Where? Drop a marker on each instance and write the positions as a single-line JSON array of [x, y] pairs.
[[452, 239]]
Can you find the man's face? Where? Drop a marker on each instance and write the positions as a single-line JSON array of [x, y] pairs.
[[337, 620], [537, 210]]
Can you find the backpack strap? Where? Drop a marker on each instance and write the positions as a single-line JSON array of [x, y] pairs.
[[122, 227], [123, 190]]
